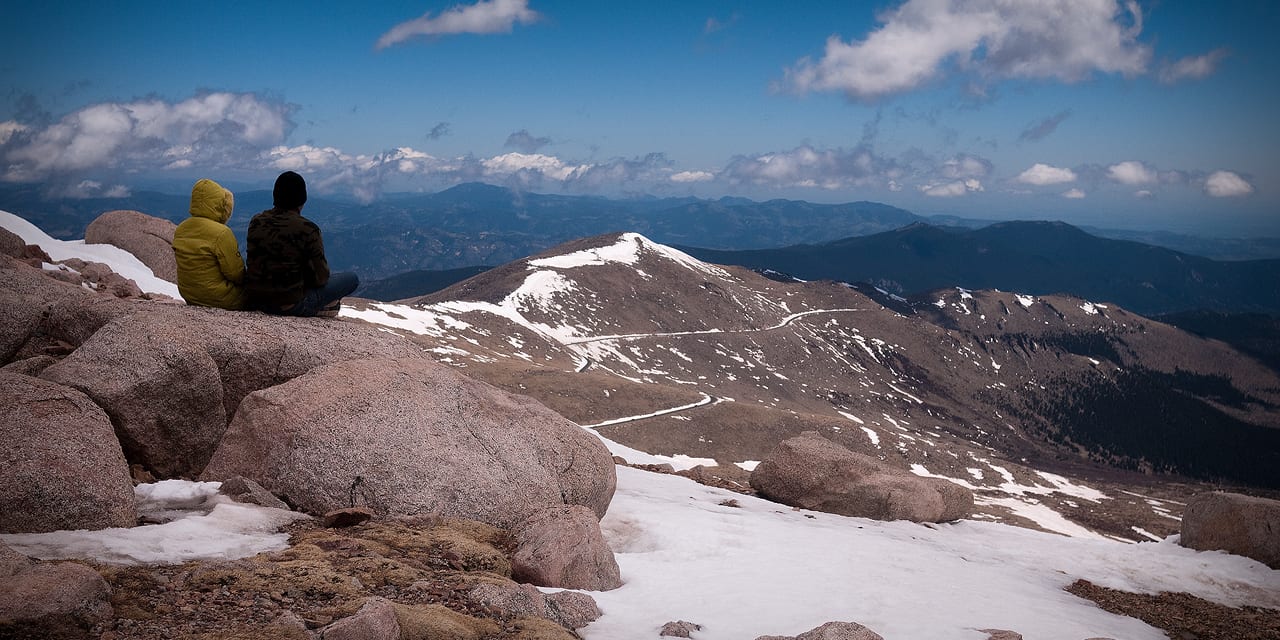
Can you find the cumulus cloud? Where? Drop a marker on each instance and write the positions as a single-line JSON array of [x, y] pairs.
[[1192, 67], [805, 166], [483, 17], [1227, 184], [1073, 194], [965, 166], [692, 176], [1042, 174], [365, 175], [215, 129], [1132, 172], [524, 141], [921, 40], [620, 173], [951, 189], [532, 163], [1042, 129], [1144, 194], [9, 129], [308, 158]]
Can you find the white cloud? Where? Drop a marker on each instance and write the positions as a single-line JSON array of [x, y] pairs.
[[1132, 172], [1042, 174], [549, 166], [1065, 40], [1144, 194], [486, 16], [1227, 184], [692, 176], [965, 166], [805, 166], [1073, 194], [306, 158], [1192, 67], [951, 189], [9, 129], [93, 189], [616, 174], [219, 129]]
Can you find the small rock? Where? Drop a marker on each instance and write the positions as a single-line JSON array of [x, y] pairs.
[[573, 609], [55, 600], [350, 517], [376, 620], [242, 489], [1001, 634], [563, 547], [140, 475], [290, 620], [832, 631], [679, 629]]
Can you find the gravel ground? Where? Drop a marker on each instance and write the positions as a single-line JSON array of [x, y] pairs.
[[1183, 616]]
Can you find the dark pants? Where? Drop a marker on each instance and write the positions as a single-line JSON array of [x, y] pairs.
[[339, 286]]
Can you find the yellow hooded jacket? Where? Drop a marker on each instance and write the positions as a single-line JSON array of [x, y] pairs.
[[210, 269]]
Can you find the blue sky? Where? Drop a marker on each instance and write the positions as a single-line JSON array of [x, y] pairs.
[[1154, 114]]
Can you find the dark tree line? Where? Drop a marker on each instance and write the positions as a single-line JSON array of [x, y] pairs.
[[1139, 418]]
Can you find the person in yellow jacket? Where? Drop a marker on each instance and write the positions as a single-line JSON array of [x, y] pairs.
[[210, 269]]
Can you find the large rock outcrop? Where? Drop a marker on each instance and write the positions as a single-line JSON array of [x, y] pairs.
[[812, 472], [171, 378], [39, 313], [412, 437], [148, 238], [1235, 523], [63, 467]]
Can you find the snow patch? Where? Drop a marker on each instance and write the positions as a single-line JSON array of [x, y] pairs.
[[197, 524], [122, 262]]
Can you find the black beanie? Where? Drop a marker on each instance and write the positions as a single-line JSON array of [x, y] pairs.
[[290, 192]]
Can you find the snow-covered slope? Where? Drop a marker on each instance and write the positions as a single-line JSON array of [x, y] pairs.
[[743, 567]]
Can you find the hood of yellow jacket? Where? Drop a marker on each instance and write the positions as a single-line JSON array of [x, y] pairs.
[[210, 200]]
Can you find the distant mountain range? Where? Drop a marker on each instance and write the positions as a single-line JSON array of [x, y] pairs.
[[412, 236], [1026, 257], [473, 224]]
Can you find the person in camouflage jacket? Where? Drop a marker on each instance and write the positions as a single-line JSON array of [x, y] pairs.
[[287, 273]]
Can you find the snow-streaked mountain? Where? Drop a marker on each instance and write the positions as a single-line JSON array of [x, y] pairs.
[[671, 356]]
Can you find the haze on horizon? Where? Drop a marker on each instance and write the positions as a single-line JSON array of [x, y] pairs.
[[1114, 113]]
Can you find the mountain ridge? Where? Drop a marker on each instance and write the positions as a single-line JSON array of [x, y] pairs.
[[1032, 257], [769, 359], [481, 224]]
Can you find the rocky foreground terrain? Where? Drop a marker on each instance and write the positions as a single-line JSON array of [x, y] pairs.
[[420, 414]]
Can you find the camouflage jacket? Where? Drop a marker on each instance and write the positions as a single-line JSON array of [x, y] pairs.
[[285, 259]]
